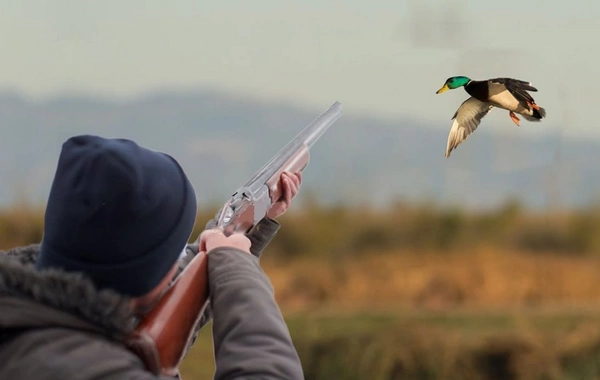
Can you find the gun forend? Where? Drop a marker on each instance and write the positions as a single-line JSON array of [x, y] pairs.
[[250, 203]]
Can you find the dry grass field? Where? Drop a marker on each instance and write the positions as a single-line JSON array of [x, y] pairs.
[[422, 292]]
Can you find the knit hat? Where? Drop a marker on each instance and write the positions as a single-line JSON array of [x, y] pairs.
[[118, 212]]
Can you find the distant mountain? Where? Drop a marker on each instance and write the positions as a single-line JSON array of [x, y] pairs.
[[221, 140]]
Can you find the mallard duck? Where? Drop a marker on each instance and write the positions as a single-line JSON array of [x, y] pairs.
[[506, 93]]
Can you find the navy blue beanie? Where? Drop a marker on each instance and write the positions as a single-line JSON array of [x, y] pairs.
[[118, 212]]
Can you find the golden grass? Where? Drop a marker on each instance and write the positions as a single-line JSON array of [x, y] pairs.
[[412, 256], [20, 225], [482, 278]]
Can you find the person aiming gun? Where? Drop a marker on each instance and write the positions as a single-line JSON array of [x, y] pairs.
[[117, 218]]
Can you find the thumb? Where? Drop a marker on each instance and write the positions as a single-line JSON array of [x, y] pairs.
[[206, 235]]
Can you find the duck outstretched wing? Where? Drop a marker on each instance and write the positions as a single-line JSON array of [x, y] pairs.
[[466, 120]]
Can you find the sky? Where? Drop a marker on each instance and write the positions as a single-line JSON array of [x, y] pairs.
[[384, 58]]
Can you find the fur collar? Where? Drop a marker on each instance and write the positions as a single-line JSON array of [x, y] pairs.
[[70, 293]]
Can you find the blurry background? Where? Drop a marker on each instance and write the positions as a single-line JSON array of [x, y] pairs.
[[394, 262]]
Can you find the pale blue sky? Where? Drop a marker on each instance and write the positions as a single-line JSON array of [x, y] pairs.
[[382, 57]]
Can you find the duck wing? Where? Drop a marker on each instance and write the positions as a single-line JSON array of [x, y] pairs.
[[466, 120], [518, 89]]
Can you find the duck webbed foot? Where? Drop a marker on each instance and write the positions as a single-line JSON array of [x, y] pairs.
[[514, 118]]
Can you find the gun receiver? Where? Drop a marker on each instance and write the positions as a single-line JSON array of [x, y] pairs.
[[162, 337], [251, 202]]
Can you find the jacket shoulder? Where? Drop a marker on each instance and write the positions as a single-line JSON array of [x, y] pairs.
[[60, 353]]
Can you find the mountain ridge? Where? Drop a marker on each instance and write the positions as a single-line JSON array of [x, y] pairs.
[[362, 158]]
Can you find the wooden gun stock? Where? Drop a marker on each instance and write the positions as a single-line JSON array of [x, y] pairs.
[[162, 337]]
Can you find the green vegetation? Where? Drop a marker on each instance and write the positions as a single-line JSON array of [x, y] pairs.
[[449, 346], [343, 231]]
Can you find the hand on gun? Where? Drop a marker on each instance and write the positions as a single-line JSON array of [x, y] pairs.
[[214, 237], [290, 184]]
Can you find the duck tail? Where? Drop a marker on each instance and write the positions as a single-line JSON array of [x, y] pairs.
[[539, 113], [536, 114]]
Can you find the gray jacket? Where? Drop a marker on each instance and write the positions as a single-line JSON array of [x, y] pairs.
[[56, 325]]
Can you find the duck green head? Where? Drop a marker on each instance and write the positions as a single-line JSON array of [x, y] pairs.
[[453, 83]]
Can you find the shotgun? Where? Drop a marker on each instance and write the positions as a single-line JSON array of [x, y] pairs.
[[162, 338]]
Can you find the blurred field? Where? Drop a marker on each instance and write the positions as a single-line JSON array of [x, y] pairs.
[[423, 292], [456, 345], [479, 278]]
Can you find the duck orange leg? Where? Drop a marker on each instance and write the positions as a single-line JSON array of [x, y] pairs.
[[534, 106], [514, 118]]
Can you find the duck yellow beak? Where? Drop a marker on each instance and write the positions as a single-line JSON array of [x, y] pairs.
[[443, 89]]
